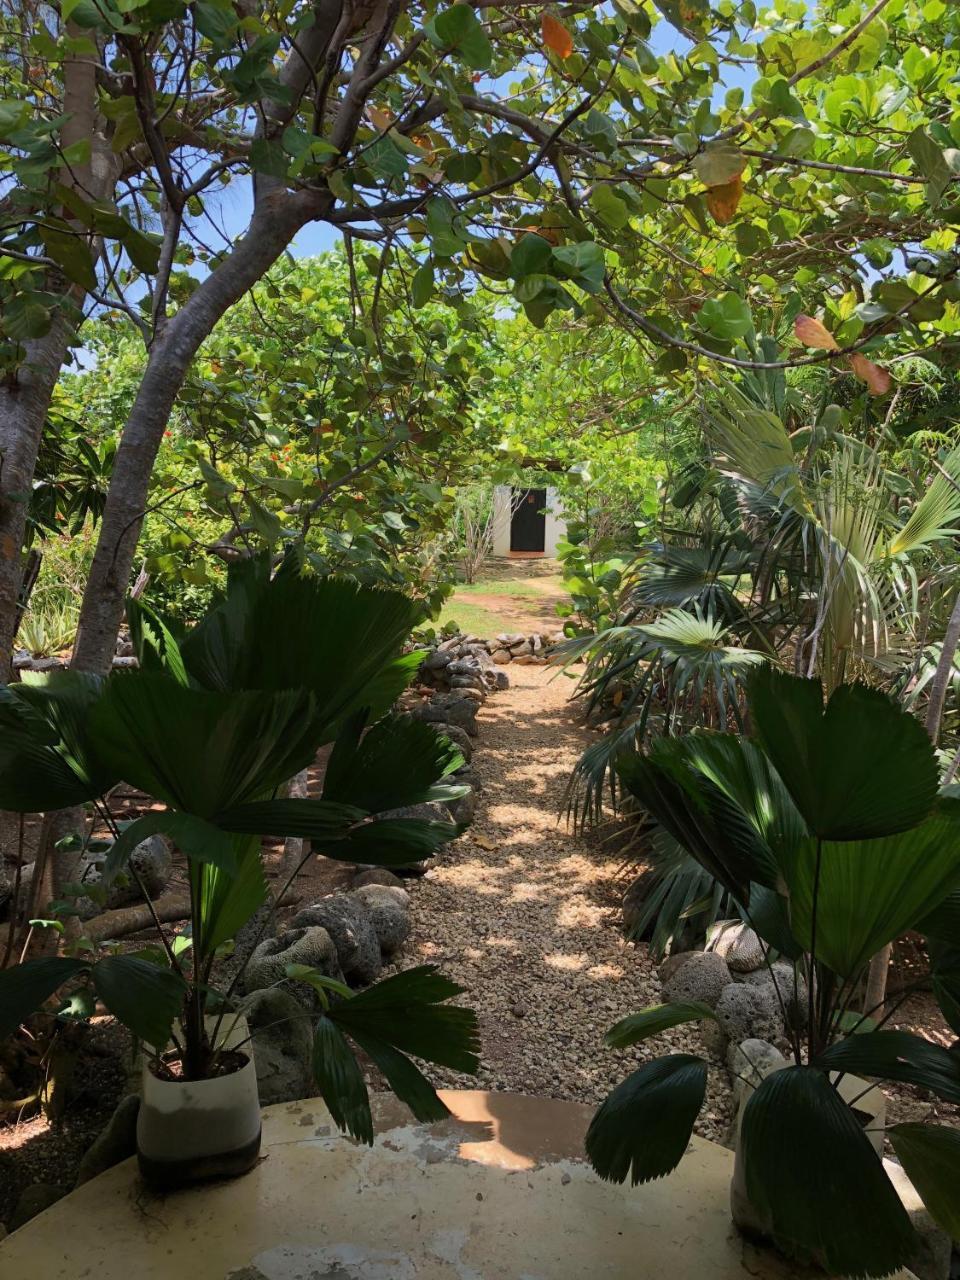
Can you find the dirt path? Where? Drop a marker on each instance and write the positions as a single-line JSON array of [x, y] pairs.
[[523, 913]]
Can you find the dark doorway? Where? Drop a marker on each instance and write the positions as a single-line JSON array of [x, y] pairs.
[[528, 525]]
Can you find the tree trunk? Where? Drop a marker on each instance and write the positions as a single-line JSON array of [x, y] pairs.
[[941, 678], [124, 920], [295, 849], [275, 222], [24, 402], [876, 988], [25, 398]]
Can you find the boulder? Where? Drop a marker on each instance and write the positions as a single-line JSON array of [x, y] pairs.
[[525, 659], [376, 875], [348, 923], [791, 985], [430, 811], [450, 708], [747, 1012], [670, 964], [437, 660], [749, 1062], [501, 681], [152, 860], [737, 943], [7, 874], [388, 908], [116, 1142], [459, 737], [282, 1046], [464, 809], [33, 1200], [464, 667], [267, 965], [502, 656], [704, 976], [469, 688]]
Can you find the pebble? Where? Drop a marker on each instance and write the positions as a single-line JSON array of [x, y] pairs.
[[524, 914]]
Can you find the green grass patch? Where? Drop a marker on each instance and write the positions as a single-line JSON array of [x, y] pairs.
[[470, 618], [529, 588]]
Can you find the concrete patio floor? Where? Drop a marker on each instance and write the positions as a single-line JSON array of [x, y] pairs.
[[500, 1192]]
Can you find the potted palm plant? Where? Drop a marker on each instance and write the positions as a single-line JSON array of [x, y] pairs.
[[212, 726], [828, 830]]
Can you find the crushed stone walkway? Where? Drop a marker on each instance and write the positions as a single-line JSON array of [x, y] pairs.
[[523, 913]]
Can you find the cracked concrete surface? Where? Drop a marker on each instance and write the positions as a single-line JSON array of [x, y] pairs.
[[498, 1192]]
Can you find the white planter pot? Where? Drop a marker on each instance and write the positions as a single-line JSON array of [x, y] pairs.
[[192, 1130]]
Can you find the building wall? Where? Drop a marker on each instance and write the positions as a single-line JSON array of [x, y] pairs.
[[556, 526]]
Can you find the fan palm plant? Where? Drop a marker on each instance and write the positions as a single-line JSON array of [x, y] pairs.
[[828, 832], [212, 726]]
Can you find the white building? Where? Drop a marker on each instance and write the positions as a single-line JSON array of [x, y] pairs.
[[526, 522]]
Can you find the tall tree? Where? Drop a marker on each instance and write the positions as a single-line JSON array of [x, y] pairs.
[[549, 146]]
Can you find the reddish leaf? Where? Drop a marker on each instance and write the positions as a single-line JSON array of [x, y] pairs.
[[878, 380], [556, 36], [813, 334], [723, 200]]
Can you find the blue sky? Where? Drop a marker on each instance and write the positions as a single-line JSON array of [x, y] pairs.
[[234, 211]]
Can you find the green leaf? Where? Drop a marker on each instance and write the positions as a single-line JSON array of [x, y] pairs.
[[25, 987], [143, 996], [229, 900], [812, 1174], [728, 317], [871, 891], [144, 252], [199, 840], [26, 317], [153, 641], [317, 980], [897, 1055], [267, 627], [860, 768], [930, 162], [340, 1082], [654, 1019], [643, 1128], [530, 256], [930, 1154], [421, 286], [49, 757], [71, 253], [459, 28], [301, 819], [582, 263], [407, 1012], [389, 842], [157, 734], [395, 764], [404, 1077], [719, 163], [609, 207]]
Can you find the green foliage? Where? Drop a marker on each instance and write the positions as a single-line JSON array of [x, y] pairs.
[[266, 710], [828, 833]]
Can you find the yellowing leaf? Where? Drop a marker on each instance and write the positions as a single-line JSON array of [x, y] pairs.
[[813, 334], [380, 119], [718, 164], [723, 200], [556, 36], [878, 380]]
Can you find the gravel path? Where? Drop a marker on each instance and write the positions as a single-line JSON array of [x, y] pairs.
[[524, 914]]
